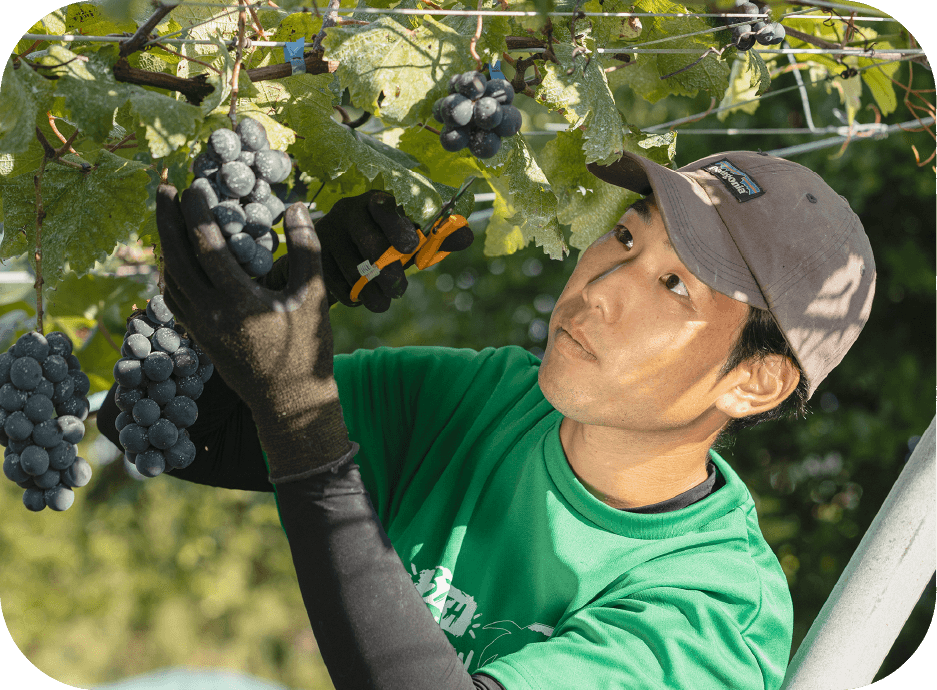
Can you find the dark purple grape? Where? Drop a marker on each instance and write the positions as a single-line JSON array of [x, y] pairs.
[[437, 109], [38, 409], [161, 391], [268, 241], [259, 193], [48, 479], [25, 373], [12, 398], [511, 121], [50, 434], [59, 497], [73, 363], [13, 469], [157, 310], [272, 165], [224, 145], [59, 344], [34, 461], [204, 373], [72, 428], [771, 35], [150, 463], [146, 412], [55, 368], [276, 207], [18, 446], [484, 144], [6, 359], [64, 390], [181, 454], [46, 388], [134, 439], [141, 325], [34, 499], [17, 426], [253, 135], [31, 344], [260, 264], [63, 455], [165, 340], [128, 372], [122, 420], [456, 110], [184, 362], [501, 90], [205, 166], [745, 42], [126, 398], [163, 434], [181, 411], [230, 217], [246, 157], [157, 366], [190, 386], [471, 85], [236, 179], [82, 383], [258, 214], [242, 246], [454, 139], [75, 406], [488, 113], [78, 474]]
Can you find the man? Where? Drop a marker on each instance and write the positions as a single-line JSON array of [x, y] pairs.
[[564, 522]]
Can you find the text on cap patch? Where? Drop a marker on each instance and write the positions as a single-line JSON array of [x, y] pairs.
[[739, 183]]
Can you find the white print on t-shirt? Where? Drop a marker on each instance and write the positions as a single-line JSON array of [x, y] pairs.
[[455, 612]]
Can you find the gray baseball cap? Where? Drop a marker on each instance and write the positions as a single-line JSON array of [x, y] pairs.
[[771, 233]]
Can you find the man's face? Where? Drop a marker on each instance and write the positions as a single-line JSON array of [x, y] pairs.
[[635, 340]]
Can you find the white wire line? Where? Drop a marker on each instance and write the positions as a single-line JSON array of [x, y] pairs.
[[529, 13], [808, 115], [871, 53], [835, 141]]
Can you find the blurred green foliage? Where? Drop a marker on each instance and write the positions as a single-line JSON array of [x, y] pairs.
[[140, 575]]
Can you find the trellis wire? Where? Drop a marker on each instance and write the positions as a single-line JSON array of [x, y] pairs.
[[655, 51]]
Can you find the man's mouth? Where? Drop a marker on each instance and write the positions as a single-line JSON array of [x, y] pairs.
[[575, 342]]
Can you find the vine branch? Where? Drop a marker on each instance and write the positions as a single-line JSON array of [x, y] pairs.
[[232, 113], [142, 35]]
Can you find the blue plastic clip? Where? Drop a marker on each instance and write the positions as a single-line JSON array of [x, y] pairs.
[[293, 52], [495, 71]]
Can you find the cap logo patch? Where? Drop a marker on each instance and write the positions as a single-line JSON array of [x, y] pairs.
[[739, 183]]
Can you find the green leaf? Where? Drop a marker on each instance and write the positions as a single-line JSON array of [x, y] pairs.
[[169, 124], [588, 205], [748, 80], [23, 94], [585, 100], [87, 214], [411, 68], [530, 206], [441, 165], [330, 150], [89, 19], [88, 86], [286, 106]]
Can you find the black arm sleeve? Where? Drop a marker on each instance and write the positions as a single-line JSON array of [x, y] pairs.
[[228, 451], [372, 627]]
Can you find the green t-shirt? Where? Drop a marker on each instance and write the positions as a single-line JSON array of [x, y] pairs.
[[536, 582]]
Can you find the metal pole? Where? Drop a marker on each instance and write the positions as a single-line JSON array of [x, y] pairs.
[[873, 598]]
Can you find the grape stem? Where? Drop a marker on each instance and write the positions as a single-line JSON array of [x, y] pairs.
[[142, 34], [235, 74], [329, 20], [474, 41], [49, 153]]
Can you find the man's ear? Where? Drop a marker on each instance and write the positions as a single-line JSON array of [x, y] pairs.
[[761, 385]]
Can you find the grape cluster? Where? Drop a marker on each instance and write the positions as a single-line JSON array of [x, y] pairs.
[[235, 173], [159, 377], [745, 36], [477, 113], [39, 379]]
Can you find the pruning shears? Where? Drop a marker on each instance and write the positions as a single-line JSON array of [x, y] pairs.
[[427, 251]]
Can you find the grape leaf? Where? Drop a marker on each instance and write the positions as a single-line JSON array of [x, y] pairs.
[[745, 83], [330, 150], [441, 165], [169, 123], [532, 203], [411, 68], [293, 103], [587, 204], [87, 214], [90, 20], [23, 94], [585, 100], [88, 86]]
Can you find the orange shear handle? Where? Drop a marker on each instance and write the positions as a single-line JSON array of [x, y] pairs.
[[427, 252]]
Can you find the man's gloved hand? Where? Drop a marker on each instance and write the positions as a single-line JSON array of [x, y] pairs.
[[364, 227], [273, 348]]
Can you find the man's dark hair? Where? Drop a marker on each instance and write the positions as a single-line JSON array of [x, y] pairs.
[[760, 337]]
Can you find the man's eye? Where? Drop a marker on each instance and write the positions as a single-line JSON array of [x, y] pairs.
[[673, 283], [624, 236]]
